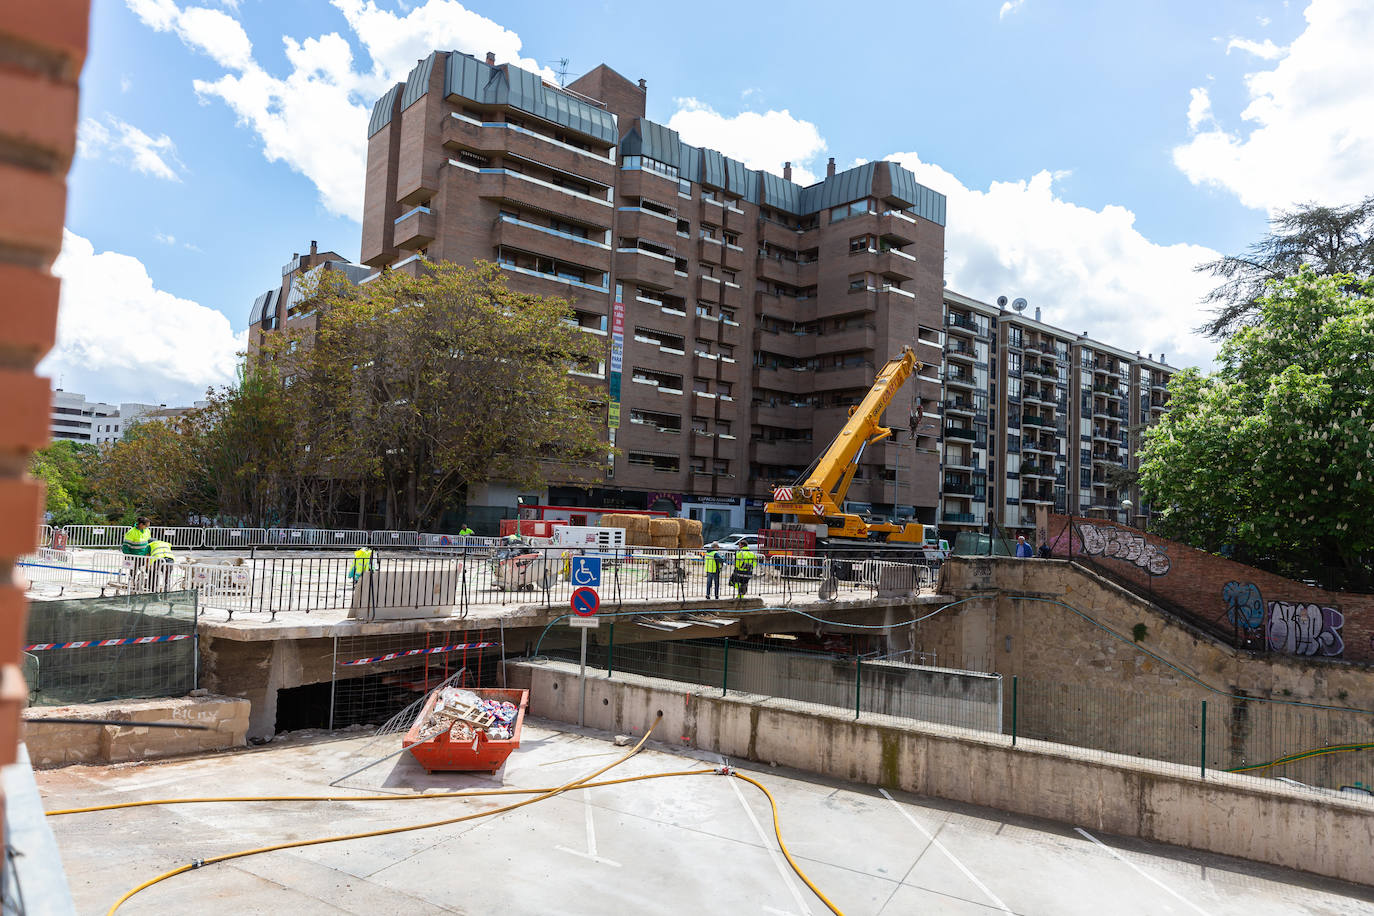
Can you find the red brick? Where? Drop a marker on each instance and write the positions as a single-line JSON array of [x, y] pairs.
[[28, 309], [39, 113], [14, 696], [14, 615], [58, 27], [24, 411], [21, 506], [32, 208]]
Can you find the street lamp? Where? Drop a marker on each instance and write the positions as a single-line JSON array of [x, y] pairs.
[[1126, 506]]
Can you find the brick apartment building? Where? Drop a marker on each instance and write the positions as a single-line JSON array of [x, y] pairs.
[[743, 314]]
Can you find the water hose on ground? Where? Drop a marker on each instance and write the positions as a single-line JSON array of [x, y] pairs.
[[201, 863], [585, 782]]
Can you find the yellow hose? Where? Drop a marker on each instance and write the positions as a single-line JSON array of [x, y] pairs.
[[777, 830], [586, 782], [200, 863], [468, 793]]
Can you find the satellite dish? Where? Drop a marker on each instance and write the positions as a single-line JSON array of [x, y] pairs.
[[1001, 302], [1019, 304]]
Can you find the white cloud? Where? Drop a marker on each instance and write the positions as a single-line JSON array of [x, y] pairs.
[[1089, 270], [1308, 135], [314, 118], [1199, 108], [164, 238], [760, 141], [1009, 7], [121, 142], [120, 338], [1264, 20], [1265, 50]]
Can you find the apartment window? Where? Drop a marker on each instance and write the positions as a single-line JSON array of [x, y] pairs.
[[1014, 363], [701, 385], [656, 462], [728, 276], [557, 225], [726, 350], [722, 427], [470, 158], [698, 465], [651, 165], [724, 389], [708, 232], [703, 310], [722, 468], [1014, 337], [727, 315], [858, 283], [860, 243], [1013, 389], [700, 424], [708, 194], [684, 187], [684, 228], [732, 238]]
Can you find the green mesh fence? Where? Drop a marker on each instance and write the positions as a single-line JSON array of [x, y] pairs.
[[86, 650]]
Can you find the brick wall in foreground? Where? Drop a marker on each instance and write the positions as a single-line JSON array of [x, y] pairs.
[[42, 49], [1283, 615]]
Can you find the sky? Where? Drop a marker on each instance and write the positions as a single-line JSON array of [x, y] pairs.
[[1092, 154]]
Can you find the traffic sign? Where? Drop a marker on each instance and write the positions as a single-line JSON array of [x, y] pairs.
[[586, 571], [585, 601], [585, 623]]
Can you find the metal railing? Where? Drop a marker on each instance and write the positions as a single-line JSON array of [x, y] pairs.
[[112, 573], [190, 538], [460, 578]]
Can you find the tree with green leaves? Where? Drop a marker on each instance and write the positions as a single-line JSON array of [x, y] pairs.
[[153, 470], [1272, 456], [1327, 240], [65, 467], [418, 386]]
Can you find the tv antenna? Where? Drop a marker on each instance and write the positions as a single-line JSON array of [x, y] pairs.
[[562, 71]]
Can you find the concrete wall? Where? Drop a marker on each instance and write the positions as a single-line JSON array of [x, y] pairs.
[[52, 743], [1141, 697], [1232, 815], [963, 698]]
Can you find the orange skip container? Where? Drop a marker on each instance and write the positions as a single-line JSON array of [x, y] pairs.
[[480, 754]]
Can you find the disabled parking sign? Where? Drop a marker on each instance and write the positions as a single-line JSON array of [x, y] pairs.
[[586, 572]]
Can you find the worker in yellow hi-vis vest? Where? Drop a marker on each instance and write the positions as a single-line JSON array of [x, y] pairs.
[[362, 562], [137, 540]]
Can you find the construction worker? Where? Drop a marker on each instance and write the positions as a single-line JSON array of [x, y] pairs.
[[362, 562], [160, 561], [712, 562], [745, 560], [137, 540], [465, 531]]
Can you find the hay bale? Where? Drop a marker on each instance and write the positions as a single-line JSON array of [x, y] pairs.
[[638, 539], [689, 527], [613, 520], [668, 541], [690, 541], [663, 527]]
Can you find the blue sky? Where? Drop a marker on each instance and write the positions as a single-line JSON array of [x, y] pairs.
[[1092, 153]]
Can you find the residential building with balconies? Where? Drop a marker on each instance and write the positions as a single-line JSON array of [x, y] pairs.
[[1038, 416], [743, 314]]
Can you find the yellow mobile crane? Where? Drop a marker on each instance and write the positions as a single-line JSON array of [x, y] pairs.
[[818, 496]]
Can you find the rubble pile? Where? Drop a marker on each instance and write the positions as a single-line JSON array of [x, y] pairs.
[[463, 715]]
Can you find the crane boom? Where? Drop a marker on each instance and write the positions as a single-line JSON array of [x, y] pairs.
[[818, 497]]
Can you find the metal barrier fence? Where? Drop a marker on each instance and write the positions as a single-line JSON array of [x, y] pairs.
[[87, 650], [461, 578], [188, 538], [50, 568], [1326, 748], [215, 538]]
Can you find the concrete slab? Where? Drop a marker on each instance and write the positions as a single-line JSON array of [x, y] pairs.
[[688, 844]]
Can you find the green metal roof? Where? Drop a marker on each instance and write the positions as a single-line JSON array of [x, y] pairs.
[[853, 184], [381, 111], [417, 83], [645, 138], [468, 78]]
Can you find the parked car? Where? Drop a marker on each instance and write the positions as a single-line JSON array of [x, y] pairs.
[[732, 542]]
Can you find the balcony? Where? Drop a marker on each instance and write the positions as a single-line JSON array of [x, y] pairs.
[[415, 229], [957, 349], [792, 381], [961, 518], [959, 406], [782, 452], [842, 378], [524, 235], [512, 140], [639, 223], [961, 379], [646, 267], [863, 337], [535, 193], [957, 461], [960, 432], [733, 257], [952, 488], [710, 251], [801, 417]]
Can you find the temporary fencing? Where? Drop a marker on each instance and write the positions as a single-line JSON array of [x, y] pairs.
[[191, 538], [50, 568], [216, 538], [460, 578], [87, 650]]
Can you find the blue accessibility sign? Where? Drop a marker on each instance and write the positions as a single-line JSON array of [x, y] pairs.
[[586, 571]]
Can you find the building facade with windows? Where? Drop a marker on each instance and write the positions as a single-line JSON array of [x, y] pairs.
[[743, 314], [1036, 415], [288, 304]]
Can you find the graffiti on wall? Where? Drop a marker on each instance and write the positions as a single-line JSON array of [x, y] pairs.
[[1107, 541], [1294, 628]]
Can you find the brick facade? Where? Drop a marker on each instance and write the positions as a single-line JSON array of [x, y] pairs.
[[42, 49], [1263, 610]]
